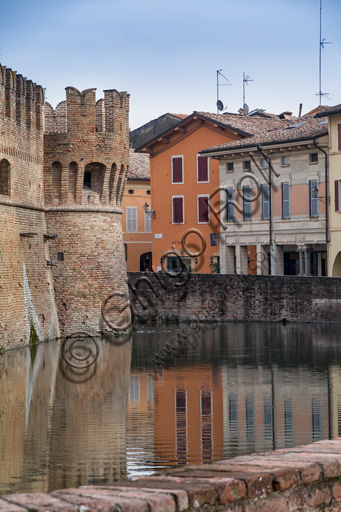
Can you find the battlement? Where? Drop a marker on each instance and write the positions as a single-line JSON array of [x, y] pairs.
[[80, 112], [21, 100]]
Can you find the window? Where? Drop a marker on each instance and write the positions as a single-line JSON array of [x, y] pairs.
[[203, 210], [230, 204], [285, 160], [247, 165], [206, 411], [313, 158], [288, 422], [148, 220], [202, 169], [247, 203], [177, 169], [264, 163], [337, 195], [313, 201], [265, 202], [130, 192], [229, 167], [178, 209], [285, 200], [339, 136], [4, 177], [60, 256], [148, 192], [87, 179], [131, 219]]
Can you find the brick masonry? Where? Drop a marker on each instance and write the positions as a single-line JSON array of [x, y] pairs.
[[304, 478], [57, 285], [210, 297]]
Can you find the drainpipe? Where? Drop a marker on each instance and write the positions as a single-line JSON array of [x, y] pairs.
[[268, 159], [327, 196]]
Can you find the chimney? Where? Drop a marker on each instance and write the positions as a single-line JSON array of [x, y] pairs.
[[300, 111]]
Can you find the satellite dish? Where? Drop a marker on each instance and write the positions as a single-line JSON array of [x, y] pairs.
[[220, 105], [246, 108]]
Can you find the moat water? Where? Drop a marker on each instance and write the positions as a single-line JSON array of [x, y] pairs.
[[227, 390]]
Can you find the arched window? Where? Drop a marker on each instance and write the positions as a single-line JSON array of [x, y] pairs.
[[93, 182], [56, 182], [5, 171], [73, 172]]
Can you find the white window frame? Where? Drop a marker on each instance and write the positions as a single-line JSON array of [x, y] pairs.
[[263, 163], [283, 163], [229, 163], [246, 169], [148, 220], [132, 208], [202, 195], [208, 169], [183, 170], [310, 159], [183, 211]]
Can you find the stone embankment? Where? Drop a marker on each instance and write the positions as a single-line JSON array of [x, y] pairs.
[[304, 478]]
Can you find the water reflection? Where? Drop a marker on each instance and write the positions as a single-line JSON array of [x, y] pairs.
[[238, 388]]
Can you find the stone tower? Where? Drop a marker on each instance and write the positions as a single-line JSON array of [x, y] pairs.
[[26, 289], [86, 152]]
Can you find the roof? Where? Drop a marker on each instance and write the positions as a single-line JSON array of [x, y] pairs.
[[330, 111], [139, 166], [244, 125], [289, 131], [180, 116]]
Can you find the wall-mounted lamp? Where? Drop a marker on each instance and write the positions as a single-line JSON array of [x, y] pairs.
[[323, 199], [148, 211]]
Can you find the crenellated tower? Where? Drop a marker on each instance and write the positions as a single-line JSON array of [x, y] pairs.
[[86, 156], [26, 293]]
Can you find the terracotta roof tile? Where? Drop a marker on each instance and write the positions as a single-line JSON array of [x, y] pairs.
[[139, 166], [296, 130], [329, 111]]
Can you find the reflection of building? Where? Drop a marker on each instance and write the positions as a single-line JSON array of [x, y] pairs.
[[137, 217], [282, 219], [333, 196], [189, 415]]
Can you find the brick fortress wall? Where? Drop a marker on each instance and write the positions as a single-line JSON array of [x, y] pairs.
[[86, 156], [26, 291], [210, 297]]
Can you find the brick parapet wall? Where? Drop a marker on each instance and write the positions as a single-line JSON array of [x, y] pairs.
[[304, 478], [213, 297]]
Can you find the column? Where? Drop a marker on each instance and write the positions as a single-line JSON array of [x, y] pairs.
[[276, 258], [244, 260], [262, 261], [229, 259], [238, 268], [301, 254], [307, 261]]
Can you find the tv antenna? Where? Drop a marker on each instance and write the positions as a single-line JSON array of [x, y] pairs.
[[246, 80], [322, 43], [220, 105]]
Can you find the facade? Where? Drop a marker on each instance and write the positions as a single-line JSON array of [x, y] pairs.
[[332, 197], [60, 200], [182, 181], [273, 222], [137, 216]]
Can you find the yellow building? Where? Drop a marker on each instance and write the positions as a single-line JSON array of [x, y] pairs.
[[333, 194], [137, 217]]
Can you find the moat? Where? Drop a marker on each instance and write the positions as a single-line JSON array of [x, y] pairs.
[[234, 389]]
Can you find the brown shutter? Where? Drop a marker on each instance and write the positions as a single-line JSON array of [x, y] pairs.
[[203, 209], [336, 195], [202, 168], [177, 170], [178, 215]]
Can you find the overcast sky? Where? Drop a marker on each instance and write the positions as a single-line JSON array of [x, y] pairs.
[[166, 53]]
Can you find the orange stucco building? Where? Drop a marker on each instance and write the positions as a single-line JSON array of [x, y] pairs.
[[181, 183], [137, 219]]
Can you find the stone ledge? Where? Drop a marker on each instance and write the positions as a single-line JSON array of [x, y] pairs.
[[304, 478]]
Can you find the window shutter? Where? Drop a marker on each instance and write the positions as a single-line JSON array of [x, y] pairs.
[[265, 202], [202, 168], [134, 219], [339, 136], [230, 205], [337, 195], [128, 219], [285, 201], [177, 170], [313, 201], [247, 203], [178, 216], [203, 209]]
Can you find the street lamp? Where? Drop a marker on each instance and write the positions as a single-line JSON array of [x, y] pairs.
[[323, 199], [148, 211]]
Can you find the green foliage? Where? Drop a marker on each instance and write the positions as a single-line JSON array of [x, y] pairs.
[[215, 268], [34, 340]]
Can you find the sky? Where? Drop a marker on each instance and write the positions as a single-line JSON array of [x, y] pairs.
[[166, 53]]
